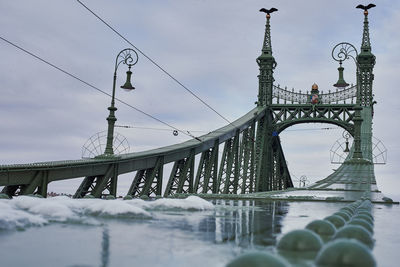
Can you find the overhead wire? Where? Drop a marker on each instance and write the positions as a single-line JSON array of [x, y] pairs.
[[94, 87], [155, 63], [216, 131]]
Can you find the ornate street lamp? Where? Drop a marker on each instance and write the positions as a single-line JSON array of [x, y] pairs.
[[341, 83], [346, 136], [340, 53], [128, 57]]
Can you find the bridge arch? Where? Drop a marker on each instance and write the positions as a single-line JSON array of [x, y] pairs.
[[284, 116], [345, 126]]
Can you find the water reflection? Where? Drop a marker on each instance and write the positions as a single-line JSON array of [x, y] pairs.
[[244, 223], [105, 247], [218, 233]]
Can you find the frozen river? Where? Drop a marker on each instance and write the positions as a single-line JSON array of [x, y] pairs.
[[167, 232]]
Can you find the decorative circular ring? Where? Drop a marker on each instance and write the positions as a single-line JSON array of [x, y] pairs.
[[343, 51], [346, 135], [128, 57]]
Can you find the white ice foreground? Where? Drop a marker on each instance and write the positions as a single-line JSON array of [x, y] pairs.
[[24, 211]]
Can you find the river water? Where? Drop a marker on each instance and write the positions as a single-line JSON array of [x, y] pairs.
[[166, 232]]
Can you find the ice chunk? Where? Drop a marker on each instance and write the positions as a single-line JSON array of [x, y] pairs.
[[189, 203], [12, 218], [114, 207]]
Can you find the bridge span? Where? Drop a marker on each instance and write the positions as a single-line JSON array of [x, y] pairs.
[[252, 160]]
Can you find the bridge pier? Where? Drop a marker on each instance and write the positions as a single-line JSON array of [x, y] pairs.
[[37, 185], [96, 185], [148, 181], [182, 176], [207, 171]]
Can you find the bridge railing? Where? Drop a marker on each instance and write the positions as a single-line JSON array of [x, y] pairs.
[[285, 96]]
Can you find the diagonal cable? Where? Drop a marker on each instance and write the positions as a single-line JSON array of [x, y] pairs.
[[93, 87], [155, 63]]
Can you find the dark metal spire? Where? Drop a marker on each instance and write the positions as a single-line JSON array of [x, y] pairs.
[[365, 42], [267, 64], [365, 64], [267, 48]]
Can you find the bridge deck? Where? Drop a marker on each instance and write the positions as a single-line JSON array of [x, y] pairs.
[[67, 169]]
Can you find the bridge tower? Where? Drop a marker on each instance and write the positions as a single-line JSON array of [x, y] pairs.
[[365, 97], [271, 169], [311, 107], [366, 62]]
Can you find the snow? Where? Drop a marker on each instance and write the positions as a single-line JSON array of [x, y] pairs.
[[26, 211]]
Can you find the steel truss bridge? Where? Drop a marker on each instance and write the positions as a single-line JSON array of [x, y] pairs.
[[252, 158]]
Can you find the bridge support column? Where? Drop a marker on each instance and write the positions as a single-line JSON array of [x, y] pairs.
[[207, 171], [246, 160], [357, 133], [96, 185], [148, 182], [182, 176], [228, 175], [264, 154], [271, 169], [42, 188], [37, 185]]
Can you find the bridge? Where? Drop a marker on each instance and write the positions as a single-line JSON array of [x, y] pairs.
[[245, 159], [252, 158]]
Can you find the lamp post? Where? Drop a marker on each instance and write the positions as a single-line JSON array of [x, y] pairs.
[[128, 57], [340, 53]]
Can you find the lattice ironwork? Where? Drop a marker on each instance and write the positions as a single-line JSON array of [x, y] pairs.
[[285, 96], [207, 171], [181, 178], [229, 169], [148, 182], [100, 185], [287, 115], [246, 161], [338, 154], [96, 144], [37, 186]]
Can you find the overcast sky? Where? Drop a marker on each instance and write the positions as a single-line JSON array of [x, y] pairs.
[[210, 46]]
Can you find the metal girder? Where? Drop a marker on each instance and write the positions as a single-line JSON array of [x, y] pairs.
[[207, 171], [86, 187], [148, 181], [280, 178], [339, 114], [97, 185], [228, 176], [18, 174], [286, 180], [182, 176], [262, 140], [37, 185], [246, 160], [271, 168], [10, 190]]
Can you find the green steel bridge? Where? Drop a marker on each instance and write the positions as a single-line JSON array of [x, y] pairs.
[[253, 163]]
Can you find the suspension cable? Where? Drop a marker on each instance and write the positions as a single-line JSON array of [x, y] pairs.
[[155, 63], [94, 87], [216, 131]]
